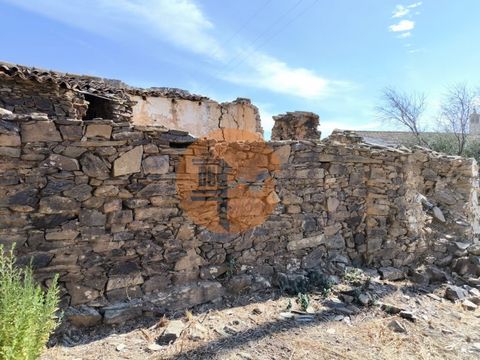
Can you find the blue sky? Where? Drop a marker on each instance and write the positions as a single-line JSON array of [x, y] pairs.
[[329, 57]]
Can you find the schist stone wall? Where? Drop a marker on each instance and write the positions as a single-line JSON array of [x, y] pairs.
[[25, 97], [296, 125], [96, 202], [24, 90]]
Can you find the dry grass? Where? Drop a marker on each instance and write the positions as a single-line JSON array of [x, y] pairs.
[[253, 329]]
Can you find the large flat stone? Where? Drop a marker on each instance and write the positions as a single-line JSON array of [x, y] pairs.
[[28, 197], [124, 275], [121, 313], [190, 261], [188, 295], [58, 205], [100, 130], [40, 131], [71, 132], [61, 235], [10, 140], [81, 294], [156, 164], [154, 213], [280, 155], [391, 273], [83, 316], [92, 217], [10, 151], [81, 192], [304, 243], [128, 163], [62, 162], [93, 166]]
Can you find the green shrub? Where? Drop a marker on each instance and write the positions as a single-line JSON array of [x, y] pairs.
[[444, 143], [303, 300], [27, 313]]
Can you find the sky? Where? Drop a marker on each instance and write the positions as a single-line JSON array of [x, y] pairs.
[[329, 57]]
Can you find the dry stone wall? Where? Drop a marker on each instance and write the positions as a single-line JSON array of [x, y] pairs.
[[297, 125], [96, 202], [24, 90], [24, 97]]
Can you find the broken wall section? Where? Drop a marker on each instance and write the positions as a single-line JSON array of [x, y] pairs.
[[198, 116]]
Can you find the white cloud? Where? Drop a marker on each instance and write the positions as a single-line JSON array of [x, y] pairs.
[[400, 11], [181, 22], [415, 5], [267, 120], [403, 25], [267, 72]]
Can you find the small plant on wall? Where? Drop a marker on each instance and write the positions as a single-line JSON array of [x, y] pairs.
[[27, 313]]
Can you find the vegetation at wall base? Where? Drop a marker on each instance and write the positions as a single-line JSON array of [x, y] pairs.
[[28, 314]]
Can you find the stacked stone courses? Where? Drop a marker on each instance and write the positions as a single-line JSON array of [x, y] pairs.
[[95, 201]]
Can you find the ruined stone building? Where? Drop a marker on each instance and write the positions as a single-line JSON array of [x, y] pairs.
[[100, 183], [63, 96]]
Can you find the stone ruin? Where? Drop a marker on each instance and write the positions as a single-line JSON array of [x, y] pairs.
[[297, 125], [88, 191]]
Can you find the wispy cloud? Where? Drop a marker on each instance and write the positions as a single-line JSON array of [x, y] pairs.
[[267, 72], [415, 5], [184, 25], [181, 23], [403, 25], [401, 10]]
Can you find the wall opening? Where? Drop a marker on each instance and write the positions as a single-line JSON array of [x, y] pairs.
[[98, 107]]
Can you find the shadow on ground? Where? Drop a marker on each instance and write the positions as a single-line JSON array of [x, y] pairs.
[[332, 308]]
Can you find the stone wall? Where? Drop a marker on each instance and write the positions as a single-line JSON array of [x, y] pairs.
[[26, 90], [199, 117], [25, 97], [97, 202], [297, 125]]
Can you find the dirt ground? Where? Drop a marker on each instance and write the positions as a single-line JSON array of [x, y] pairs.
[[274, 326]]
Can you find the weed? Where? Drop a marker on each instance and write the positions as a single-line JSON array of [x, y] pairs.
[[232, 267], [303, 300], [27, 313], [353, 276]]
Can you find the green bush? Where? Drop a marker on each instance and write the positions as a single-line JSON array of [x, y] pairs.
[[444, 143], [472, 150], [27, 313]]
